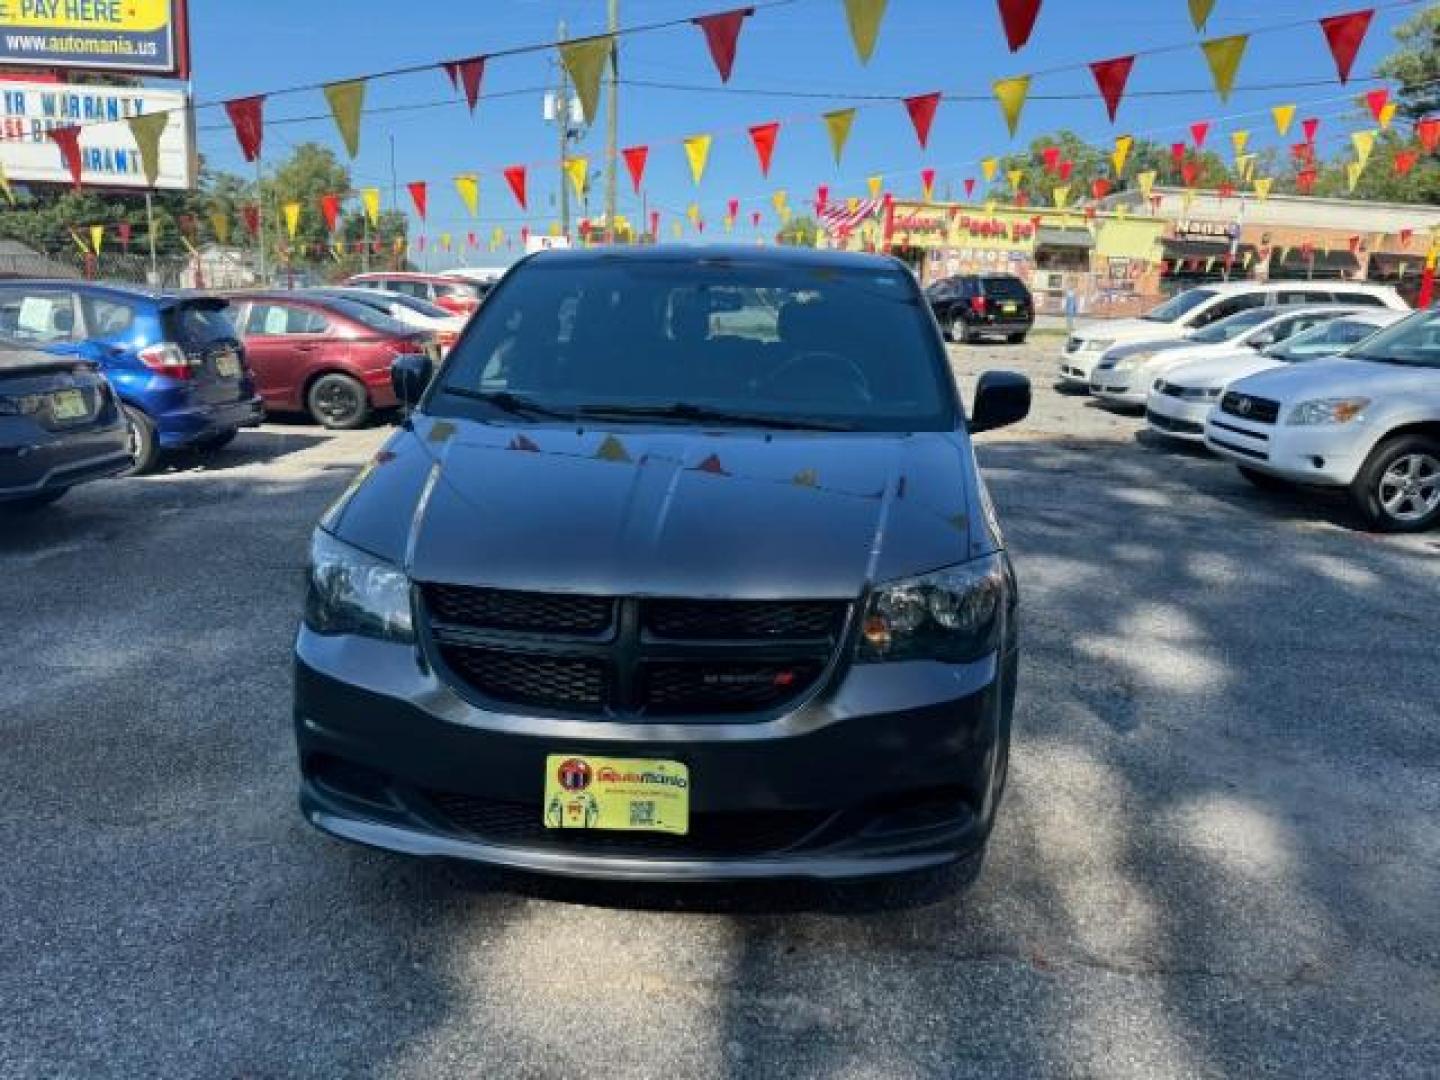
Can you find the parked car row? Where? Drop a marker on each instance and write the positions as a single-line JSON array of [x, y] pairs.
[[1306, 384], [100, 380]]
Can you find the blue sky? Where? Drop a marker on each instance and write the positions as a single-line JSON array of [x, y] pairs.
[[951, 45]]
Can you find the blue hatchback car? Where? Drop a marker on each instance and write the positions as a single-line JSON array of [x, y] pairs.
[[174, 358]]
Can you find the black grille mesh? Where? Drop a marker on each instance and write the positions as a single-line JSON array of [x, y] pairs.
[[554, 681], [700, 620], [1260, 410], [527, 612]]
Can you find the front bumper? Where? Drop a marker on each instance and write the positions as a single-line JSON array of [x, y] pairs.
[[1176, 417], [1327, 456], [1129, 389], [1077, 367], [898, 769]]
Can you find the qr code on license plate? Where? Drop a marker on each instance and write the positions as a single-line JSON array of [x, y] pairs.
[[642, 813]]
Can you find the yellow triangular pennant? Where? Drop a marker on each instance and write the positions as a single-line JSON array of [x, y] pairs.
[[1353, 169], [864, 18], [838, 123], [697, 152], [1387, 115], [146, 130], [578, 171], [347, 99], [1016, 178], [1284, 116], [5, 186], [97, 237], [1061, 195], [1123, 143], [1224, 55], [370, 198], [780, 200], [1146, 180], [220, 223], [1263, 185], [292, 218], [612, 449], [1011, 93], [1364, 142], [1200, 12], [468, 187], [1239, 140], [875, 183], [693, 213], [585, 60]]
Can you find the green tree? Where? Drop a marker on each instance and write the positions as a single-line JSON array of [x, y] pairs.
[[1415, 63], [799, 232], [1090, 163]]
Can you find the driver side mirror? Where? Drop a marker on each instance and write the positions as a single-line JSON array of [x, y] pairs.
[[1001, 398], [410, 375], [1261, 341]]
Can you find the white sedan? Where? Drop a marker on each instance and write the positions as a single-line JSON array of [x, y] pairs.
[[1181, 398], [1127, 372], [410, 310]]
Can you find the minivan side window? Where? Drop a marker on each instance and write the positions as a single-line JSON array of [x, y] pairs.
[[37, 316], [1231, 305], [1308, 296], [1368, 299]]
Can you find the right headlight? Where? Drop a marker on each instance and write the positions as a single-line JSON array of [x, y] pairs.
[[1327, 411], [952, 615], [352, 592]]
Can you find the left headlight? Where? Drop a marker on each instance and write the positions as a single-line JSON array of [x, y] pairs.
[[952, 615], [351, 592], [1327, 411]]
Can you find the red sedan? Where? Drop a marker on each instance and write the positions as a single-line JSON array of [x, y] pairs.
[[455, 294], [328, 357]]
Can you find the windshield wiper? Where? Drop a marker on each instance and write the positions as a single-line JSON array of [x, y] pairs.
[[506, 402], [685, 410]]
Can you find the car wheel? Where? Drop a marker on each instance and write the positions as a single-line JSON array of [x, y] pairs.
[[217, 442], [144, 446], [1263, 480], [1016, 339], [34, 502], [338, 402], [1398, 489]]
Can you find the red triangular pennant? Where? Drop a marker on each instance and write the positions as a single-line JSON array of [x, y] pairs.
[[763, 136], [1428, 132], [712, 465], [1099, 188], [1305, 180], [922, 108], [1310, 127], [68, 139], [969, 186], [721, 32], [250, 214], [515, 177], [1019, 19], [635, 159], [1110, 78], [1189, 171], [467, 74], [330, 209], [1177, 151], [1051, 156], [1345, 33], [1376, 100], [1198, 131], [1066, 168], [420, 196], [1405, 161], [247, 115]]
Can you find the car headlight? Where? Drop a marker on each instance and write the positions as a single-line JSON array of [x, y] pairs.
[[1098, 344], [351, 592], [952, 615], [1328, 411]]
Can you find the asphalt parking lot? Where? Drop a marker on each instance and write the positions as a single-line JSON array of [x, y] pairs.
[[1218, 856]]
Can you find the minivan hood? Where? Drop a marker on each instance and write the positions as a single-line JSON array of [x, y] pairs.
[[1338, 378], [665, 510]]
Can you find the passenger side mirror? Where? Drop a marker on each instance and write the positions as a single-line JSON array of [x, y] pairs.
[[410, 375], [1261, 341], [1001, 398]]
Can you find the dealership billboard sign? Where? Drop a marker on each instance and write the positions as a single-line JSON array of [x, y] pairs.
[[142, 36], [108, 154]]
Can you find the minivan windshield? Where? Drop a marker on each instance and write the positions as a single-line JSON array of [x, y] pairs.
[[1179, 305], [1230, 328], [1414, 342], [759, 343]]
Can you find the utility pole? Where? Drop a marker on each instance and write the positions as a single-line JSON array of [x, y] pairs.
[[562, 116], [395, 199], [612, 119]]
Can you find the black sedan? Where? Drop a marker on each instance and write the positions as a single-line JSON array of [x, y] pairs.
[[60, 425]]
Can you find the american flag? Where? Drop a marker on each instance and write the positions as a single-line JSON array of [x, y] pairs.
[[840, 218]]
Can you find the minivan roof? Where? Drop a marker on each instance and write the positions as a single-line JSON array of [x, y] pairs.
[[1323, 284], [718, 254], [131, 292]]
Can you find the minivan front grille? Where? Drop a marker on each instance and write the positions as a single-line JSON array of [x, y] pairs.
[[628, 656]]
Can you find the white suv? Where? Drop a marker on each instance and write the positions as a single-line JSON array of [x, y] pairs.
[[1194, 308], [1368, 420]]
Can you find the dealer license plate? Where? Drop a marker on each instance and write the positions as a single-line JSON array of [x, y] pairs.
[[68, 405], [227, 366], [629, 794]]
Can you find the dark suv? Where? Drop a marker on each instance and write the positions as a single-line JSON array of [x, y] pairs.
[[974, 305], [680, 568]]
